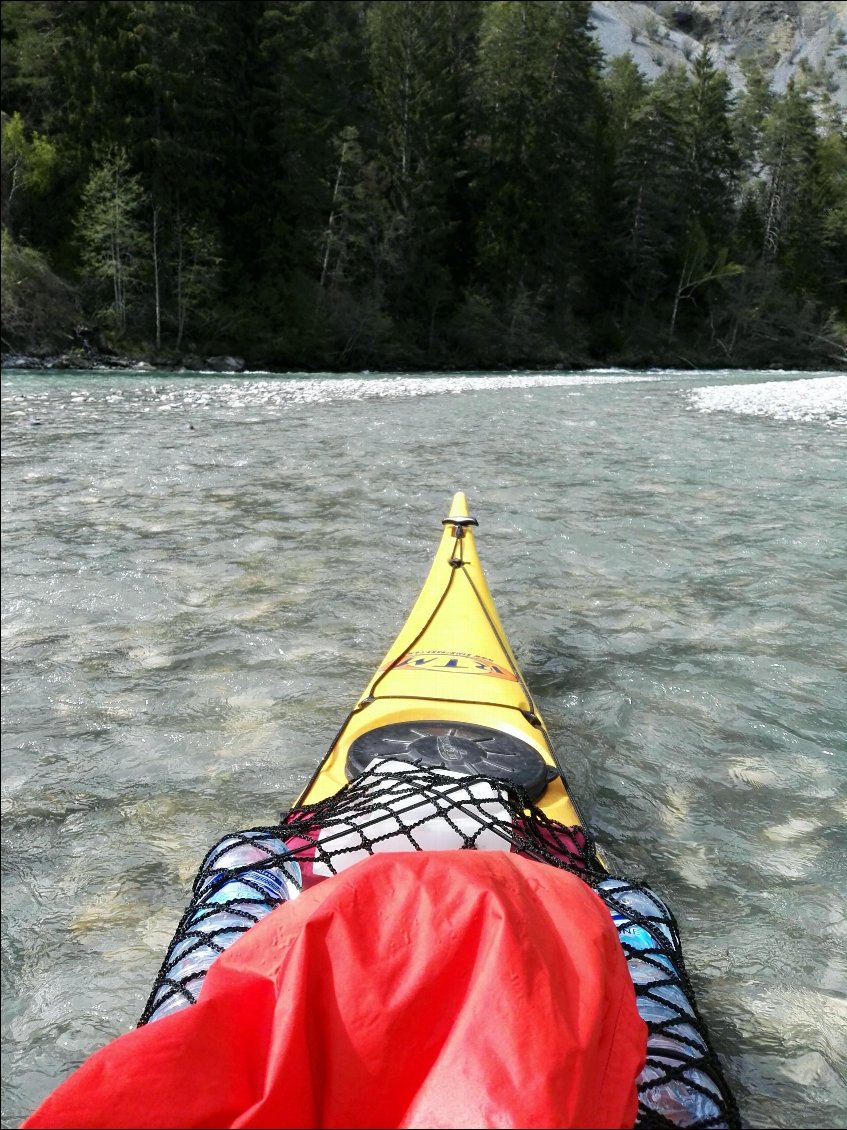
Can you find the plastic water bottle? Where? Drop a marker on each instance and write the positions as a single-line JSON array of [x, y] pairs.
[[241, 850], [691, 1094], [229, 905]]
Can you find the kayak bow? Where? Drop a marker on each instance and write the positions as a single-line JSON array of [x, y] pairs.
[[449, 692]]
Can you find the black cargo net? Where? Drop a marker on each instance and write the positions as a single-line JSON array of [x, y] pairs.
[[398, 806]]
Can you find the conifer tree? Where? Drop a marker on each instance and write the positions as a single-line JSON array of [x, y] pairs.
[[537, 86], [34, 39], [831, 199], [419, 55], [711, 172], [788, 152], [712, 158], [650, 178]]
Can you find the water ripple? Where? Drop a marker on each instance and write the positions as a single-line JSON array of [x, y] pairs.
[[200, 574]]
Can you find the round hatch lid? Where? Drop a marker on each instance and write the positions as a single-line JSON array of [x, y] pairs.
[[459, 746]]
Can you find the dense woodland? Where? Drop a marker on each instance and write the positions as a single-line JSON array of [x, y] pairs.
[[350, 184]]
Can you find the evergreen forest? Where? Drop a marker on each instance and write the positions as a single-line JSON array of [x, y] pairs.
[[405, 184]]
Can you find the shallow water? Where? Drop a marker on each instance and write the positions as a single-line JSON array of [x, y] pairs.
[[200, 573]]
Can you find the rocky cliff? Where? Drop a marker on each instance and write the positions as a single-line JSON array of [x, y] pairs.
[[803, 41]]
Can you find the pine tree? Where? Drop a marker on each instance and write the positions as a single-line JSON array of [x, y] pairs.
[[419, 55], [788, 152], [751, 111], [651, 168], [831, 200], [624, 92], [711, 172], [712, 158], [538, 95], [294, 84], [34, 38], [792, 236]]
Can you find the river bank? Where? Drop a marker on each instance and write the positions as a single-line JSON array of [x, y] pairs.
[[96, 360]]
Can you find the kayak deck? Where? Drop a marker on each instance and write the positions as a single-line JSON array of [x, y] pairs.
[[450, 686]]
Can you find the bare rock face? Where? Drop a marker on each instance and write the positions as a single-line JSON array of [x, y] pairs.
[[225, 364], [798, 40]]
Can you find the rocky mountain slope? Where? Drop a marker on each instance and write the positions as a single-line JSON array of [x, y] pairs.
[[803, 41]]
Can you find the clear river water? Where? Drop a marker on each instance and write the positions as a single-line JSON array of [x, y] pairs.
[[200, 573]]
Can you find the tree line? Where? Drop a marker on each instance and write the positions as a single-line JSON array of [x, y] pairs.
[[406, 183]]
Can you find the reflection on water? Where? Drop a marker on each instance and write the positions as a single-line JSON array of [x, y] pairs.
[[200, 573]]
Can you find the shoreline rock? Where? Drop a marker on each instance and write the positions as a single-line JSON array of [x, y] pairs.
[[101, 361], [95, 360]]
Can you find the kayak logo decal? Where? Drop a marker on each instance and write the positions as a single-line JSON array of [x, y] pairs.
[[453, 662]]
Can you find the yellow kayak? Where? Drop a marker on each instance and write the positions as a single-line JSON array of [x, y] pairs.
[[449, 693]]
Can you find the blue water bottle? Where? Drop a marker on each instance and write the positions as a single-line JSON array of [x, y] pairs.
[[675, 1081]]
